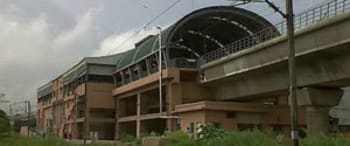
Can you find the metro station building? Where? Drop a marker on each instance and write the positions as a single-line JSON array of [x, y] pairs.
[[119, 95]]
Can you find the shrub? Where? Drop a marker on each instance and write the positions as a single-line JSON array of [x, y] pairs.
[[245, 138], [179, 138], [127, 138], [335, 140], [208, 131]]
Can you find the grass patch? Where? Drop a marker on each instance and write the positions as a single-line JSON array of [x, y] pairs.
[[333, 140], [247, 138], [37, 141], [253, 138]]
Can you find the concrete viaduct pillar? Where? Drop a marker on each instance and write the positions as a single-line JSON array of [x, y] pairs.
[[318, 102]]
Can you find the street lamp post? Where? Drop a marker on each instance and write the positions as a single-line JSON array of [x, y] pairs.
[[289, 16], [160, 71]]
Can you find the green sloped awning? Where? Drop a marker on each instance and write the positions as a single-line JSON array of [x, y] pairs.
[[144, 48], [45, 90]]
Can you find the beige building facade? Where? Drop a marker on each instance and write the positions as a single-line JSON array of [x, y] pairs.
[[79, 102]]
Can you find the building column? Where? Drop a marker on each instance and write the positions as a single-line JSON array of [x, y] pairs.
[[116, 132], [87, 123], [317, 120], [169, 101], [318, 102], [138, 111]]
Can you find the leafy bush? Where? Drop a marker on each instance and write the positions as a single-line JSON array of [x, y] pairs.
[[180, 138], [127, 138], [335, 140], [208, 131], [245, 138]]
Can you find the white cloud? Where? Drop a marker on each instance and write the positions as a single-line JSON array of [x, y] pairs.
[[19, 40], [31, 53], [117, 43], [81, 31]]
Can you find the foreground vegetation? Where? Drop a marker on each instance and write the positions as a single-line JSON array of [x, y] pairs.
[[37, 141], [254, 138], [208, 135]]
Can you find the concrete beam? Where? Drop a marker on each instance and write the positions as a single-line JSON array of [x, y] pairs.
[[319, 96]]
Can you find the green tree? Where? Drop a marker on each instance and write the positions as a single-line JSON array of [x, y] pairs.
[[2, 114], [4, 124]]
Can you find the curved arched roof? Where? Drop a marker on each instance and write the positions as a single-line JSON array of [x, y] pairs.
[[201, 31]]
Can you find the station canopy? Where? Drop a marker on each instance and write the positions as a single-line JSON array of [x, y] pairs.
[[198, 33]]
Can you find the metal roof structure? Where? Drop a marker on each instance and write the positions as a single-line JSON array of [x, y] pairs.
[[197, 33]]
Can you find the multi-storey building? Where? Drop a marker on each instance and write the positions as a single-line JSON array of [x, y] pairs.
[[80, 100], [127, 93]]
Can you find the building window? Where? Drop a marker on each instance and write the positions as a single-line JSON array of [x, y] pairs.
[[135, 72], [191, 127], [143, 68], [153, 64], [118, 79], [126, 76]]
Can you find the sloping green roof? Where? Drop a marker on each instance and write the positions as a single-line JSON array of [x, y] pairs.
[[143, 49], [45, 89], [107, 65]]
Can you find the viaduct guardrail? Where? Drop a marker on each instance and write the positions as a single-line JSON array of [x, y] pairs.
[[302, 20]]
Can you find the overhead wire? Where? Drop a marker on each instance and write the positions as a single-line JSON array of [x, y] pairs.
[[144, 27]]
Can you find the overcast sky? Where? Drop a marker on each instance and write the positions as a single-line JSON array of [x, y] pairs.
[[40, 39]]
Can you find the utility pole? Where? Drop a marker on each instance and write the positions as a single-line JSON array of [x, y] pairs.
[[289, 16], [292, 74]]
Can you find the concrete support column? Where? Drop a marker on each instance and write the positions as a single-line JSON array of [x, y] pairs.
[[318, 102], [317, 120], [138, 113]]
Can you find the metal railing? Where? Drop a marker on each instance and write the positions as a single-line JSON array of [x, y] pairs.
[[302, 20]]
